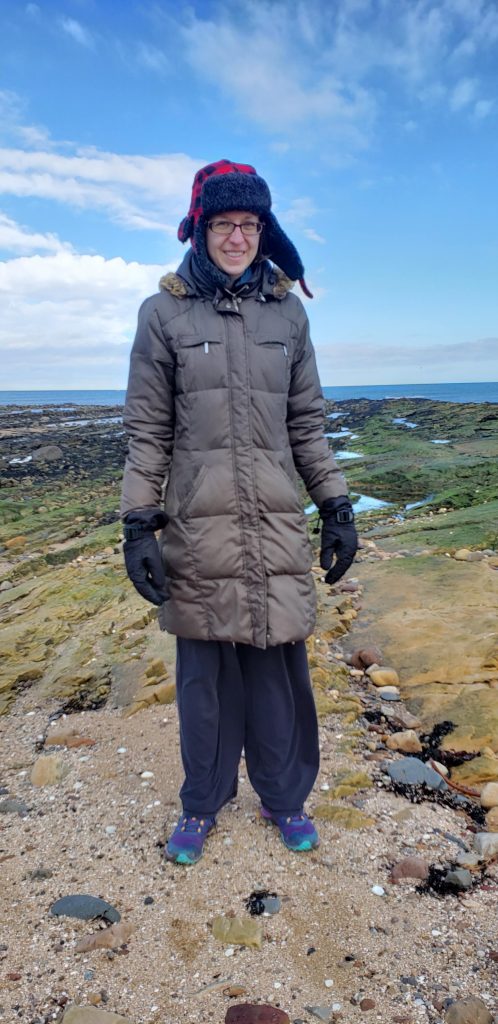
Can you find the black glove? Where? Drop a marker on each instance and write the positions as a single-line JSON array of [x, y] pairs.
[[339, 537], [142, 556]]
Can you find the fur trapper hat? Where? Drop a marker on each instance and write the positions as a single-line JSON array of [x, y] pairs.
[[224, 186]]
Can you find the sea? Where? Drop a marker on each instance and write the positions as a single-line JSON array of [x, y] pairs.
[[480, 391]]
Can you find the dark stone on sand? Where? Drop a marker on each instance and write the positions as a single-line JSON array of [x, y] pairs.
[[13, 806], [411, 771], [87, 908], [251, 1013], [48, 453]]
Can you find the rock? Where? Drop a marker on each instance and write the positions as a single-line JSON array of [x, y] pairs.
[[479, 770], [107, 938], [378, 890], [367, 1004], [86, 908], [48, 770], [441, 768], [407, 741], [388, 693], [458, 880], [90, 1015], [411, 771], [16, 542], [382, 676], [261, 901], [255, 1013], [13, 806], [66, 736], [366, 656], [409, 867], [486, 844], [403, 719], [489, 795], [5, 585], [38, 874], [468, 1011], [48, 453], [345, 817], [492, 820], [462, 555], [322, 1012], [469, 860], [243, 931]]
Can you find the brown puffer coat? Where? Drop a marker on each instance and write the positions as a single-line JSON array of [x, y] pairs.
[[224, 404]]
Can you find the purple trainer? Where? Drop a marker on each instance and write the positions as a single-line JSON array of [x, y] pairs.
[[186, 843], [297, 832]]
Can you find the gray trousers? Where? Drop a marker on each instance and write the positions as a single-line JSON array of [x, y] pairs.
[[234, 696]]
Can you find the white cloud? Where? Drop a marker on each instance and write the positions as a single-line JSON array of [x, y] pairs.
[[77, 32], [146, 193], [151, 58], [72, 316], [16, 238], [463, 93], [314, 236]]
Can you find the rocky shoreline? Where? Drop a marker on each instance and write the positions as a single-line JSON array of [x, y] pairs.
[[392, 918]]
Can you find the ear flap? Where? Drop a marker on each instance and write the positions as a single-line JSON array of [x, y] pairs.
[[186, 229], [280, 250]]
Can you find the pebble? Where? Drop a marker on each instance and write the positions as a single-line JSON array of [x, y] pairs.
[[86, 908], [378, 890], [411, 771], [147, 775], [468, 1011], [406, 741], [14, 806], [322, 1012], [388, 693], [260, 1013], [486, 844], [367, 1004], [5, 585], [458, 879], [121, 750], [328, 983], [110, 830]]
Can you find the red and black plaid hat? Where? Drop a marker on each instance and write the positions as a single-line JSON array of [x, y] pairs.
[[225, 185]]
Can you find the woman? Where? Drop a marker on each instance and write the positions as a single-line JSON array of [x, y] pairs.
[[223, 406]]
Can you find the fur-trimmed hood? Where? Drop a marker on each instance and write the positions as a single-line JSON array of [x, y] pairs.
[[182, 285]]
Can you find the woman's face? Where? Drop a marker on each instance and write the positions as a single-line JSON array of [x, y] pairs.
[[235, 252]]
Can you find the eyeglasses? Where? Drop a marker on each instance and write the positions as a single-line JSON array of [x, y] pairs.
[[225, 227]]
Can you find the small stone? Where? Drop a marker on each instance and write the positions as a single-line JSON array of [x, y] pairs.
[[388, 693], [322, 1012], [486, 844], [468, 1011], [147, 775], [382, 676], [409, 867], [492, 820], [365, 657], [148, 901], [13, 976], [13, 806], [259, 1013], [466, 859], [367, 1004], [86, 908], [378, 890], [328, 983], [121, 750], [48, 770], [5, 585], [489, 795], [411, 771], [406, 741], [91, 1015], [458, 880], [462, 555], [441, 768], [48, 453]]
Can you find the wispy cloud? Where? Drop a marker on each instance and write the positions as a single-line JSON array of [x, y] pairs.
[[152, 59], [146, 193], [314, 236], [77, 31], [14, 238]]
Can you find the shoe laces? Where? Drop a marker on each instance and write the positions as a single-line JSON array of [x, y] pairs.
[[193, 824]]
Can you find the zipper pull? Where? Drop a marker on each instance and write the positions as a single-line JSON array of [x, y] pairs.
[[206, 347], [285, 351]]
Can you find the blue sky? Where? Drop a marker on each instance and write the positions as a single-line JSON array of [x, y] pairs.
[[373, 121]]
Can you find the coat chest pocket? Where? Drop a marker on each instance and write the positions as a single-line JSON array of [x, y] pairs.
[[201, 363], [271, 365]]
